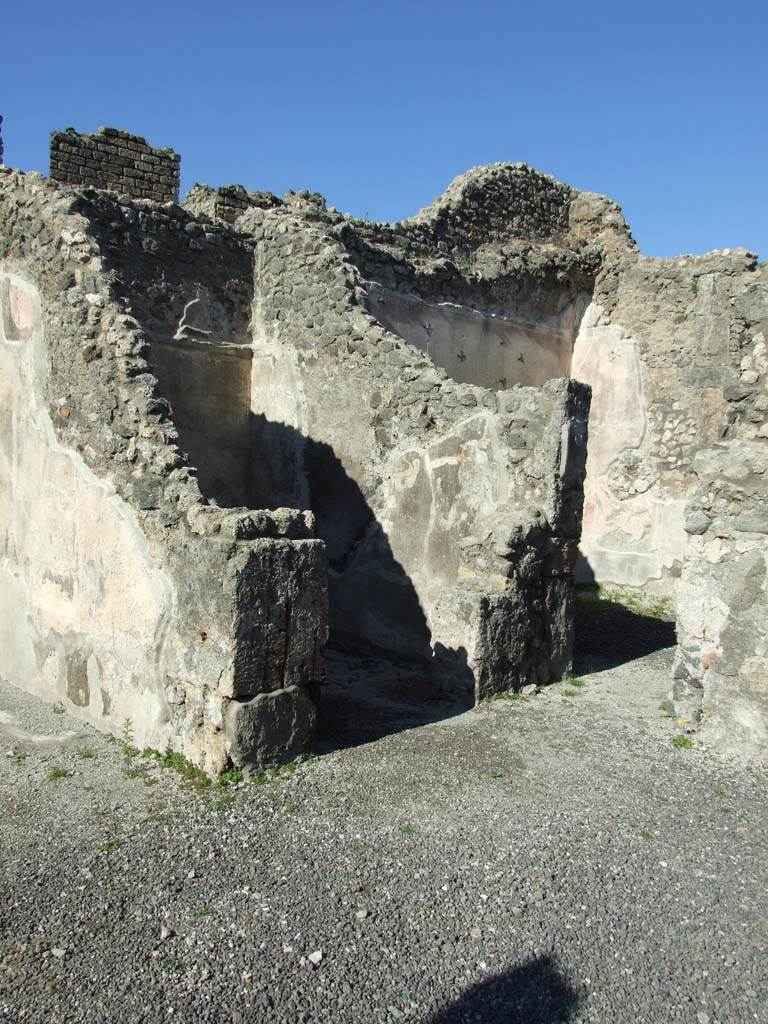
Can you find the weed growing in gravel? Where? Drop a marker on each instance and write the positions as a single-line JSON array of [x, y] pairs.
[[231, 777], [56, 773], [85, 752], [495, 775], [20, 756], [129, 750], [160, 817], [204, 912], [645, 835], [577, 682], [568, 692], [408, 830], [682, 742], [195, 776], [110, 847], [171, 963], [57, 709]]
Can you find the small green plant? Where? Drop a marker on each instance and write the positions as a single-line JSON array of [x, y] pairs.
[[85, 752], [568, 692], [407, 830], [576, 682], [231, 777], [204, 912], [195, 776], [111, 846], [695, 287], [172, 963], [225, 801], [682, 742], [57, 709], [644, 834], [495, 775], [56, 772], [129, 750], [20, 756]]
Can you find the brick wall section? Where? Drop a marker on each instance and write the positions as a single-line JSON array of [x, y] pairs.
[[115, 160]]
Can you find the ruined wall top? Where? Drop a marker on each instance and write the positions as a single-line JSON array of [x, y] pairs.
[[115, 160]]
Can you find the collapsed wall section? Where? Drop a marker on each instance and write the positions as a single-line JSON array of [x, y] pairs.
[[125, 596], [450, 512]]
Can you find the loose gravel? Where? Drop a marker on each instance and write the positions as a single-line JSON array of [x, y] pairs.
[[535, 860]]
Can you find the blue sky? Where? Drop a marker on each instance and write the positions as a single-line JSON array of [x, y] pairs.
[[660, 105]]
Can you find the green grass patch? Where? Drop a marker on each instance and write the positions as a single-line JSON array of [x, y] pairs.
[[682, 742], [57, 773], [637, 602], [183, 767], [231, 777]]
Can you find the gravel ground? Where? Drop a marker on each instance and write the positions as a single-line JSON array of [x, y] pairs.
[[548, 859]]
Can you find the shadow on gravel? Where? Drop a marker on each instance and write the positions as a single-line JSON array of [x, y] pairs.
[[610, 634], [367, 698], [536, 993]]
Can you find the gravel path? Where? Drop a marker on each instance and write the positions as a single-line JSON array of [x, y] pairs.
[[531, 861]]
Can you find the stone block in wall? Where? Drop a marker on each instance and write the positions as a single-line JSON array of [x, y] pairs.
[[117, 161]]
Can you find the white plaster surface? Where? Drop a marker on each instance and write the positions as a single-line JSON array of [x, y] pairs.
[[627, 541], [83, 610], [494, 352]]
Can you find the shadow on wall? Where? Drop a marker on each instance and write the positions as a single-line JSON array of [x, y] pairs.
[[374, 606], [244, 459], [536, 993], [385, 674]]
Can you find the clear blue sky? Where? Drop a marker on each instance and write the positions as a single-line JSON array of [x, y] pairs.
[[378, 105]]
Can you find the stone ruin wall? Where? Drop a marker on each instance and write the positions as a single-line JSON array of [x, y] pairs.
[[450, 512], [673, 351], [720, 677], [508, 260], [198, 619], [125, 595], [115, 160]]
